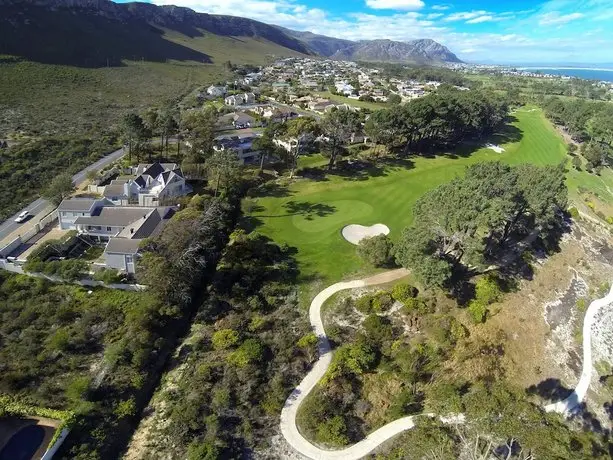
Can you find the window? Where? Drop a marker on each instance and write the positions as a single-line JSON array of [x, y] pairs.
[[109, 229], [129, 259]]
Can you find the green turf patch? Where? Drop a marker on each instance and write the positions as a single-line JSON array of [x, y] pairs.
[[309, 214]]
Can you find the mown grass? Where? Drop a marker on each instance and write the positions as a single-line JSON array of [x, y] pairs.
[[310, 214]]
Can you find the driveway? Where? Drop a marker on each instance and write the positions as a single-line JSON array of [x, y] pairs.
[[9, 229]]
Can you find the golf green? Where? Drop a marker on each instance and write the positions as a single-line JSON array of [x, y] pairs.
[[310, 213]]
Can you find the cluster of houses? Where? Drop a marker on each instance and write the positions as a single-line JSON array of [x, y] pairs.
[[129, 211]]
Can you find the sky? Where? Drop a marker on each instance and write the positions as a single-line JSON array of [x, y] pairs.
[[480, 31]]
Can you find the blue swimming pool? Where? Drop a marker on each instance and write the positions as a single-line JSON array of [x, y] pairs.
[[24, 444]]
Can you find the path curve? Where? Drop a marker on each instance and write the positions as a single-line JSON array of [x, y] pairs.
[[290, 431], [567, 405]]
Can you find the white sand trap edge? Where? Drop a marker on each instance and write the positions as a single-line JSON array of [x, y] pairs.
[[355, 233], [495, 148]]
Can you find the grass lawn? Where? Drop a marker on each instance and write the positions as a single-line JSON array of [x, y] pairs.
[[353, 102], [310, 214]]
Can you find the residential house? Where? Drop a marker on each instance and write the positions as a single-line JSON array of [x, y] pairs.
[[319, 105], [216, 91], [344, 88], [279, 87], [240, 99], [242, 145], [154, 184], [122, 228]]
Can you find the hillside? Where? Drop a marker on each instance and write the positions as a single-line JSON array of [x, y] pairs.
[[75, 68], [423, 51], [416, 51]]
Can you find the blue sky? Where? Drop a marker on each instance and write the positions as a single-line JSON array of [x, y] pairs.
[[503, 31]]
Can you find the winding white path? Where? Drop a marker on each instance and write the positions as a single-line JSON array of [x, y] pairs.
[[578, 395], [290, 431]]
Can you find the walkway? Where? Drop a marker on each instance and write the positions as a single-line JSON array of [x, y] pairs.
[[290, 431]]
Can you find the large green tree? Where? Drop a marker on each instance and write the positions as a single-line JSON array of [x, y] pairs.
[[337, 126]]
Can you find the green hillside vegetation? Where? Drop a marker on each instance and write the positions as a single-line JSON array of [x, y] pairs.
[[309, 214], [73, 73]]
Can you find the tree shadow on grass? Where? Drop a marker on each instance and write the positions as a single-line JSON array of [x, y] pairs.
[[551, 390], [270, 189], [308, 210]]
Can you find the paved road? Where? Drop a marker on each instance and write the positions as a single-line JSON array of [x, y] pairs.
[[40, 207], [288, 426]]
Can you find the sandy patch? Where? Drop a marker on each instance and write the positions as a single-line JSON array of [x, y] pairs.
[[495, 148], [355, 233]]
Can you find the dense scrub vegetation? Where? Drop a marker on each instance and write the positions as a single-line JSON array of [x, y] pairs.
[[245, 358], [28, 168]]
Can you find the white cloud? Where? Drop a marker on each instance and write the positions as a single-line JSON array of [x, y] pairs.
[[480, 19], [520, 42], [465, 15], [434, 16], [441, 7], [395, 4], [555, 18]]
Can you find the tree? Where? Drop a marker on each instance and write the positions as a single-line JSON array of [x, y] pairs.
[[61, 187], [265, 143], [299, 130], [337, 125], [135, 133], [394, 99], [198, 128], [224, 338], [223, 170], [377, 250], [594, 153]]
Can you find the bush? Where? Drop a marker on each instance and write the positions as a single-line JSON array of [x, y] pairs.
[[333, 431], [582, 304], [224, 338], [382, 301], [478, 311], [108, 276], [377, 328], [488, 290], [251, 351], [416, 307], [364, 304], [577, 163], [404, 291], [377, 250]]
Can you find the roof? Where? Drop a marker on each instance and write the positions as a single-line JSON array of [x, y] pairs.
[[115, 216], [77, 204], [114, 190], [122, 246]]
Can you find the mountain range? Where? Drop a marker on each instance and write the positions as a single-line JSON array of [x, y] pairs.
[[95, 33]]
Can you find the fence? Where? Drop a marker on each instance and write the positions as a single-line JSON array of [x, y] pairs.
[[95, 189], [31, 232]]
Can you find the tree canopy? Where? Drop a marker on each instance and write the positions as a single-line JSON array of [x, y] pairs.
[[466, 223]]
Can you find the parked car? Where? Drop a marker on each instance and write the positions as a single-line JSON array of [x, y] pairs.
[[22, 217]]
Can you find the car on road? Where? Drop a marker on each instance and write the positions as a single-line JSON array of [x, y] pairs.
[[22, 217]]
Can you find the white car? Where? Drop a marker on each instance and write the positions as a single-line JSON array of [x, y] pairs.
[[21, 217]]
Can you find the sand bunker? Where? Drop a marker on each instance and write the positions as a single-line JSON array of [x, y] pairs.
[[495, 148], [354, 233]]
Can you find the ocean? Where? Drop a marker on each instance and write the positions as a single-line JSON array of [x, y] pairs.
[[588, 74]]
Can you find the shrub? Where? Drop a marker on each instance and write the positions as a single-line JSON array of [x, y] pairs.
[[610, 220], [382, 301], [591, 205], [224, 338], [125, 408], [574, 213], [582, 304], [487, 290], [577, 163], [377, 250], [478, 311], [377, 329], [251, 351], [404, 291], [364, 304], [203, 451], [333, 431], [416, 307], [108, 276]]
